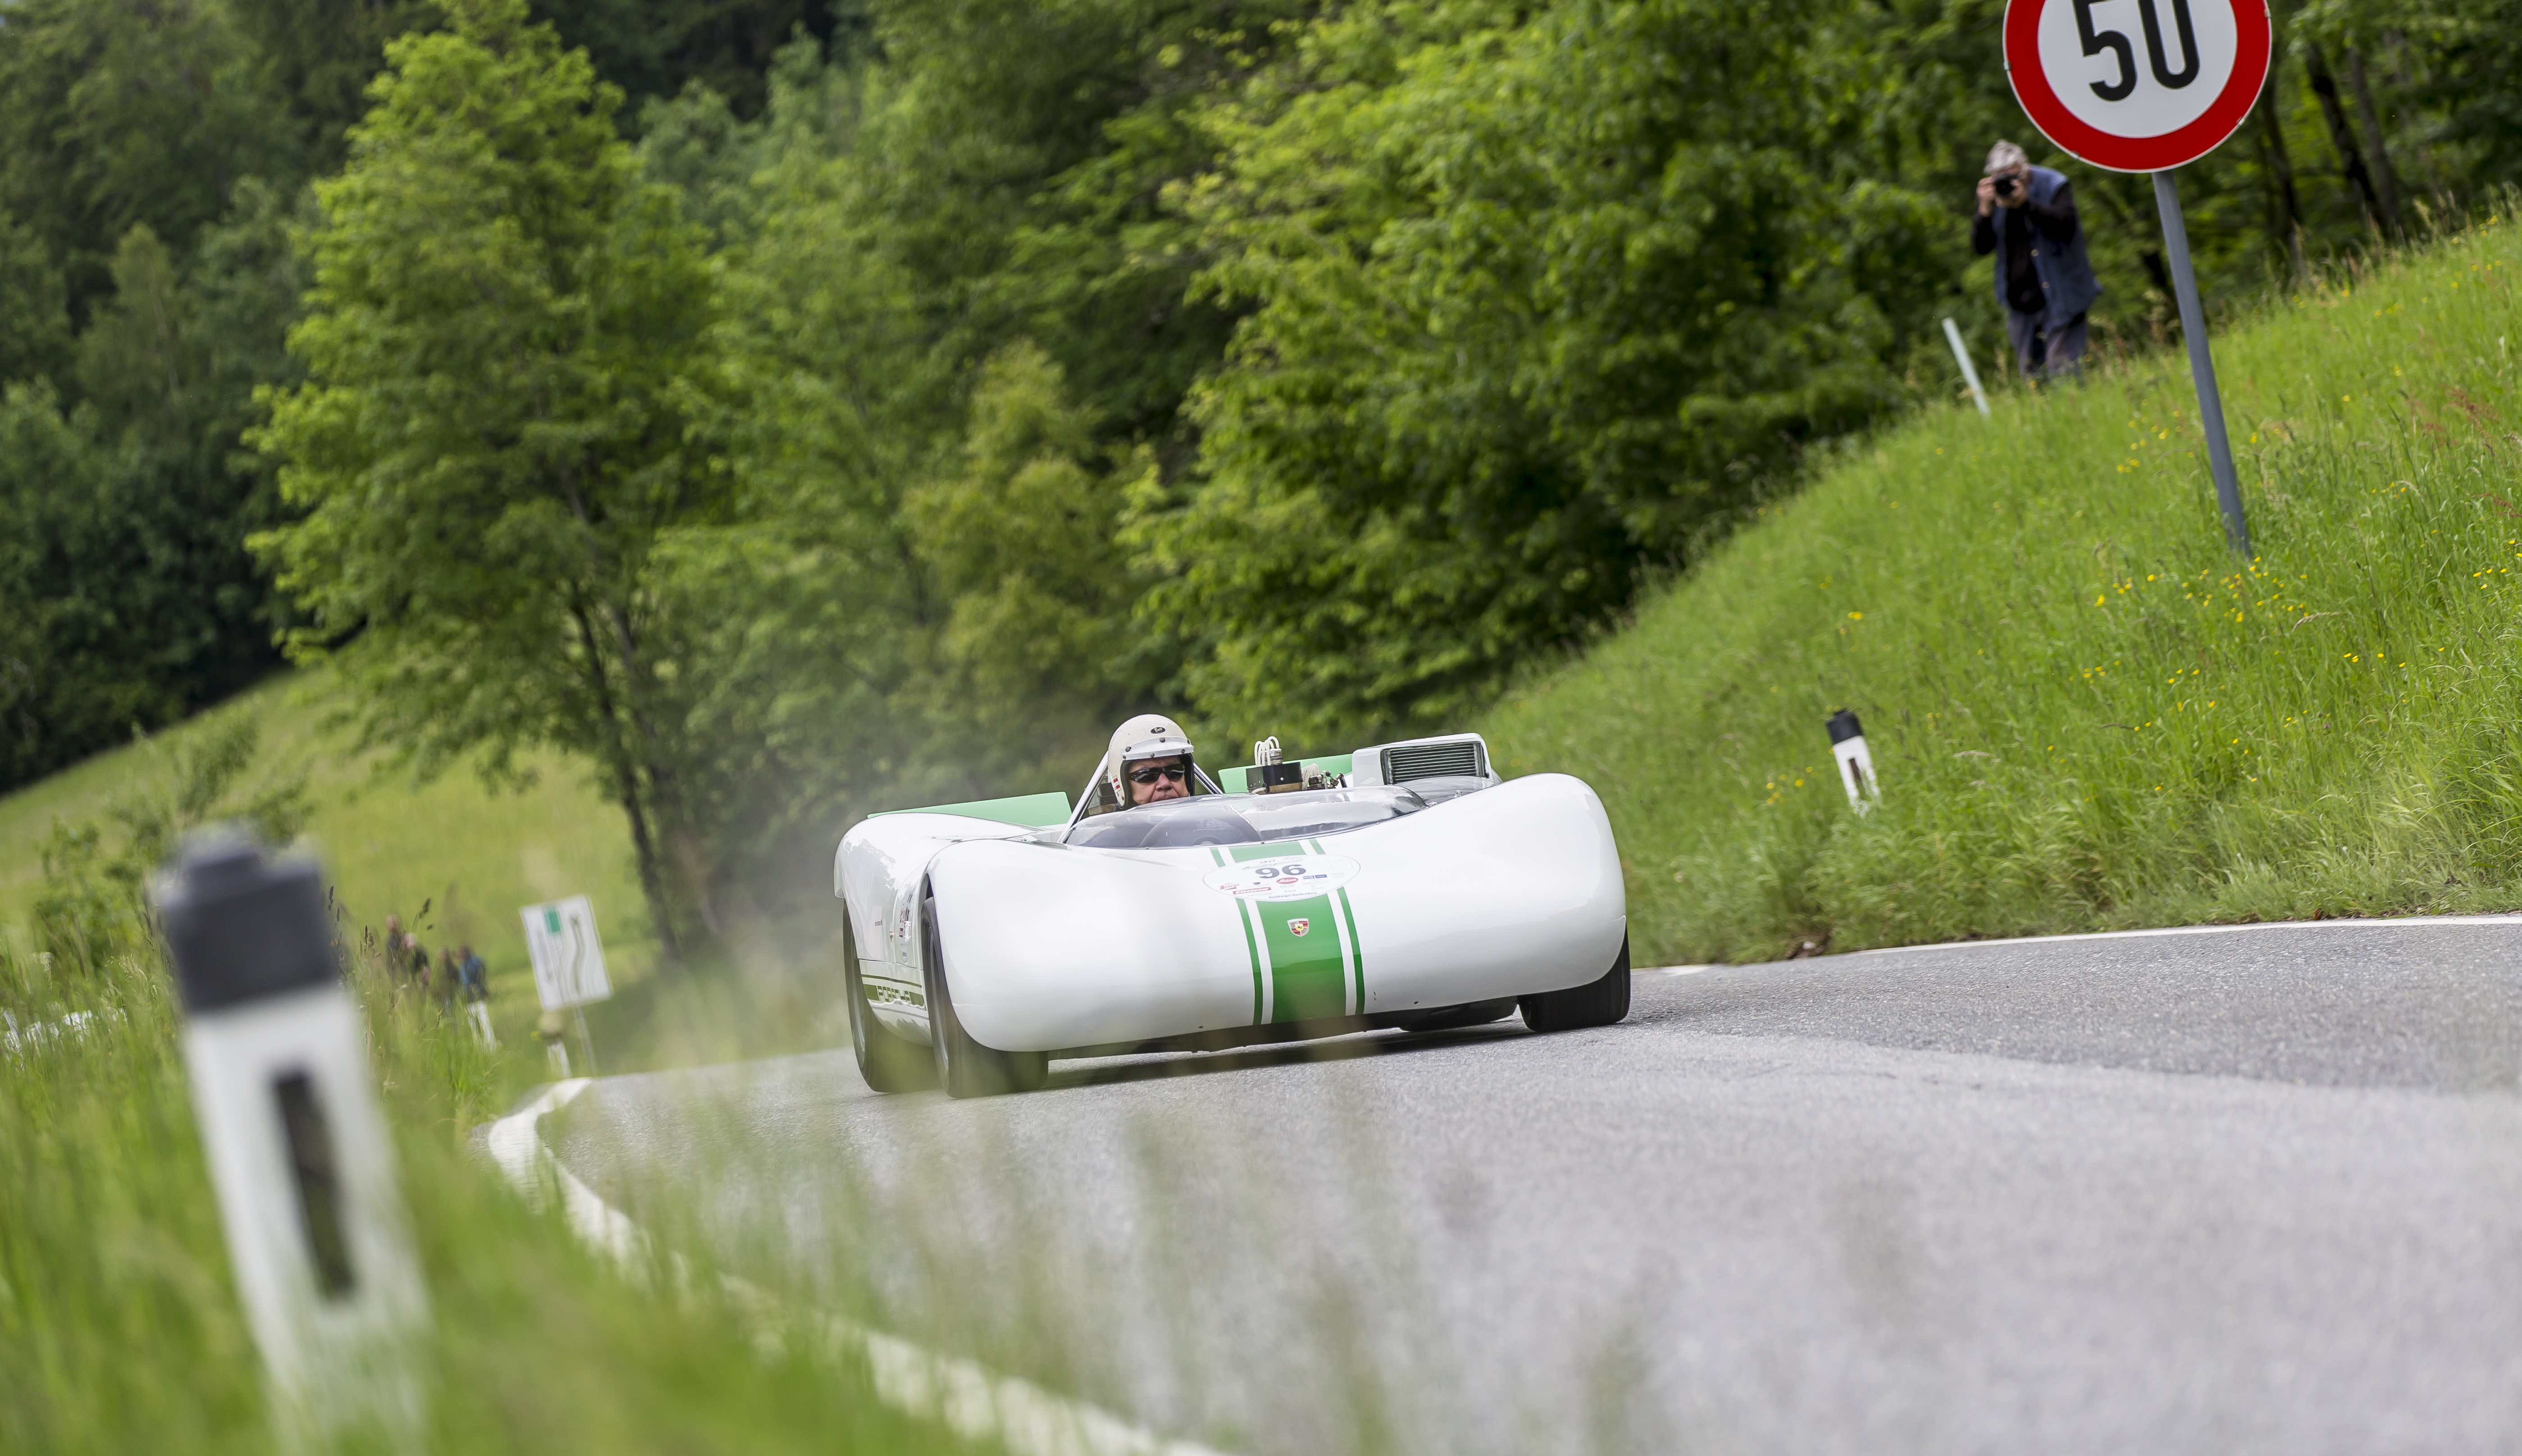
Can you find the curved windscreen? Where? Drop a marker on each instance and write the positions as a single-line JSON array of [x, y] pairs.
[[1326, 811], [1166, 825], [1245, 818]]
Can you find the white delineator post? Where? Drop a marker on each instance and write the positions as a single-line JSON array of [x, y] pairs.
[[1969, 371], [1855, 765], [298, 1153]]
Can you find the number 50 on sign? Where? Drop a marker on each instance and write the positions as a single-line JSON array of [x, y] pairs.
[[2137, 85]]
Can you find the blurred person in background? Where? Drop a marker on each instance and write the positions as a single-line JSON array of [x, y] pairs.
[[2026, 217], [413, 961]]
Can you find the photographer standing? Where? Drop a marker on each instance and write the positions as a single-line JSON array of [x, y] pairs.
[[2026, 217]]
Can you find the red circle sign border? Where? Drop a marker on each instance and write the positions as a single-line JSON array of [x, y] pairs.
[[2146, 153]]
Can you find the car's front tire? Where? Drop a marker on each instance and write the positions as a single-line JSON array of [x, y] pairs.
[[887, 1061], [965, 1067], [1598, 1002]]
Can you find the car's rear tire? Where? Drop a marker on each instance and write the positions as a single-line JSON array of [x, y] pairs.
[[887, 1061], [1455, 1017], [965, 1067], [1598, 1002]]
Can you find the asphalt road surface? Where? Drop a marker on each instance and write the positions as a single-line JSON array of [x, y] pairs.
[[2257, 1191]]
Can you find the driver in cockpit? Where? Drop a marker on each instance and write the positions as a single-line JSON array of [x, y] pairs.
[[1150, 761]]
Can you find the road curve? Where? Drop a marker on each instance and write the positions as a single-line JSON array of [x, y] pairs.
[[2219, 1192]]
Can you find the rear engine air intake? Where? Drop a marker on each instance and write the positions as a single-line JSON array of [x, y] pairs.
[[1457, 758]]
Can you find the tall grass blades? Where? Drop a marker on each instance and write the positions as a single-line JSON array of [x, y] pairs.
[[119, 1329]]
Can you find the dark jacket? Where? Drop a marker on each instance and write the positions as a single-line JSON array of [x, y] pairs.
[[2066, 276]]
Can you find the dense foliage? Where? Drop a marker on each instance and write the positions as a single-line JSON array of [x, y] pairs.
[[938, 379], [493, 445]]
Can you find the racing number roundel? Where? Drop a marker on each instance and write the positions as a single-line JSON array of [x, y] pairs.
[[2137, 85]]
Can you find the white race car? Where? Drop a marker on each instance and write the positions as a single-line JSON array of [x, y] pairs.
[[1404, 885]]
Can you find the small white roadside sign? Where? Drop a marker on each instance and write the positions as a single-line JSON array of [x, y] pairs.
[[569, 961]]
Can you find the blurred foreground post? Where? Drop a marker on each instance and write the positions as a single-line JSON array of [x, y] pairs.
[[298, 1153], [1969, 371], [1855, 765]]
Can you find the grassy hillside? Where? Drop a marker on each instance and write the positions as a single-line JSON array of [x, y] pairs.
[[468, 854], [474, 855], [2085, 710]]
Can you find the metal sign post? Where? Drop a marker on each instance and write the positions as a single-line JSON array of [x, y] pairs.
[[2202, 366], [569, 961], [2076, 66], [298, 1151]]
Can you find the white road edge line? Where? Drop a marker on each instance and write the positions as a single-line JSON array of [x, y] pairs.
[[2348, 923], [976, 1402]]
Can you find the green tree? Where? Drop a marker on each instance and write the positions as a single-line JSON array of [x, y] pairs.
[[117, 113], [1536, 299], [1018, 537], [66, 670], [656, 48], [34, 319], [319, 56], [124, 516], [494, 441]]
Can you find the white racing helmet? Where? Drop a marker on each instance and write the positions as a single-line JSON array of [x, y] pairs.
[[1146, 737]]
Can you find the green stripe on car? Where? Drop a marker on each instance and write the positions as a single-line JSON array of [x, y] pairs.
[[1243, 913], [1356, 952], [1307, 981], [1303, 967], [1283, 850]]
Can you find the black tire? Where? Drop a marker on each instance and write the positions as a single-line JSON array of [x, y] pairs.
[[887, 1061], [965, 1067], [1599, 1003], [1455, 1017]]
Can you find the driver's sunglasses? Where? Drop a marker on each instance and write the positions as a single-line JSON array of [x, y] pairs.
[[1149, 776]]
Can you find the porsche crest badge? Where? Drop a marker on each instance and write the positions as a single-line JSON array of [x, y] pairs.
[[1299, 927]]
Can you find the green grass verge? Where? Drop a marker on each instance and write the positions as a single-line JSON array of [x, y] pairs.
[[2085, 710], [119, 1331]]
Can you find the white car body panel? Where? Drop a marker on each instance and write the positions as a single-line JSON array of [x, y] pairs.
[[1505, 891]]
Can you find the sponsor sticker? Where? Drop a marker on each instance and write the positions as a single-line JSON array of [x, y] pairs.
[[1296, 877]]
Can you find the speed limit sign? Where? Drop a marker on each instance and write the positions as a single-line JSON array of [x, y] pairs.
[[2137, 85], [2147, 86]]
